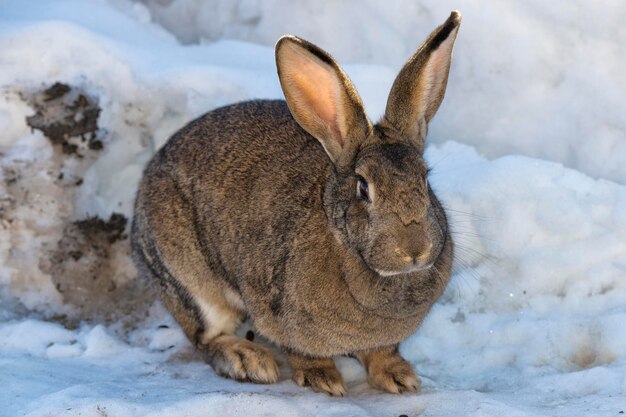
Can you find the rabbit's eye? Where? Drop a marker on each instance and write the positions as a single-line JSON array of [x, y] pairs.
[[363, 190]]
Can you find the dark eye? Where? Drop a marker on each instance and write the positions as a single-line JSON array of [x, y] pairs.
[[363, 189]]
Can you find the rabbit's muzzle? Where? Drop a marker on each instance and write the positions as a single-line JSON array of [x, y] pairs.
[[404, 249]]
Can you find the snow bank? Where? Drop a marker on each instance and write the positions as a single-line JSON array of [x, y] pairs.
[[541, 252], [532, 323]]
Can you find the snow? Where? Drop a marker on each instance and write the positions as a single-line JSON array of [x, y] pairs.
[[532, 323]]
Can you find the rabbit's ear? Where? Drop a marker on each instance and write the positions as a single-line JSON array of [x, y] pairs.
[[420, 86], [321, 97]]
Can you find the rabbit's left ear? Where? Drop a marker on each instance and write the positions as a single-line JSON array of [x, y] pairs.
[[321, 97], [420, 86]]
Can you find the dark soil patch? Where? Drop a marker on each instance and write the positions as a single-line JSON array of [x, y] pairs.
[[68, 117], [89, 268], [112, 230]]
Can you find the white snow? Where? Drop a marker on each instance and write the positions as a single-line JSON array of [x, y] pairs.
[[532, 323]]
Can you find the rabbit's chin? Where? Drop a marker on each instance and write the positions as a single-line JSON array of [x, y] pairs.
[[384, 273]]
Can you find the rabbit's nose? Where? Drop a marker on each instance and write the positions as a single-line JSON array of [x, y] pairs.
[[416, 246], [418, 257]]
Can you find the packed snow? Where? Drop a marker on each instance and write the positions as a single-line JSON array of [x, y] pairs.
[[532, 323]]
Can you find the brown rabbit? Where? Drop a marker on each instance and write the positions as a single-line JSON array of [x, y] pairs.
[[338, 249]]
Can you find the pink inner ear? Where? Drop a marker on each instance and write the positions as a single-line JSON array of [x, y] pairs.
[[315, 89]]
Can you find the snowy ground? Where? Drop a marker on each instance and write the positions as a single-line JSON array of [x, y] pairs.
[[533, 321]]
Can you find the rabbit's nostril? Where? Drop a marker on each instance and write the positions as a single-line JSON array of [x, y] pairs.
[[424, 256], [425, 253]]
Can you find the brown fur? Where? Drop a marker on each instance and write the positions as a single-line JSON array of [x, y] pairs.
[[243, 212]]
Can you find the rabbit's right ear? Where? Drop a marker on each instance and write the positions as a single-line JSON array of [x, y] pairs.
[[321, 97]]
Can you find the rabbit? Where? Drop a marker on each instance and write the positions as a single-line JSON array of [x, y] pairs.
[[305, 217]]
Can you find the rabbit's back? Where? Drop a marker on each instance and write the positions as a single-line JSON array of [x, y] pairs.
[[250, 173], [240, 146]]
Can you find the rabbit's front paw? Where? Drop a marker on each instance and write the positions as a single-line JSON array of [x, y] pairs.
[[320, 374], [240, 359], [388, 371]]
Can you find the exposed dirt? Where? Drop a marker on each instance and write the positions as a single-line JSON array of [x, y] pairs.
[[112, 230], [88, 261], [88, 268], [68, 117]]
